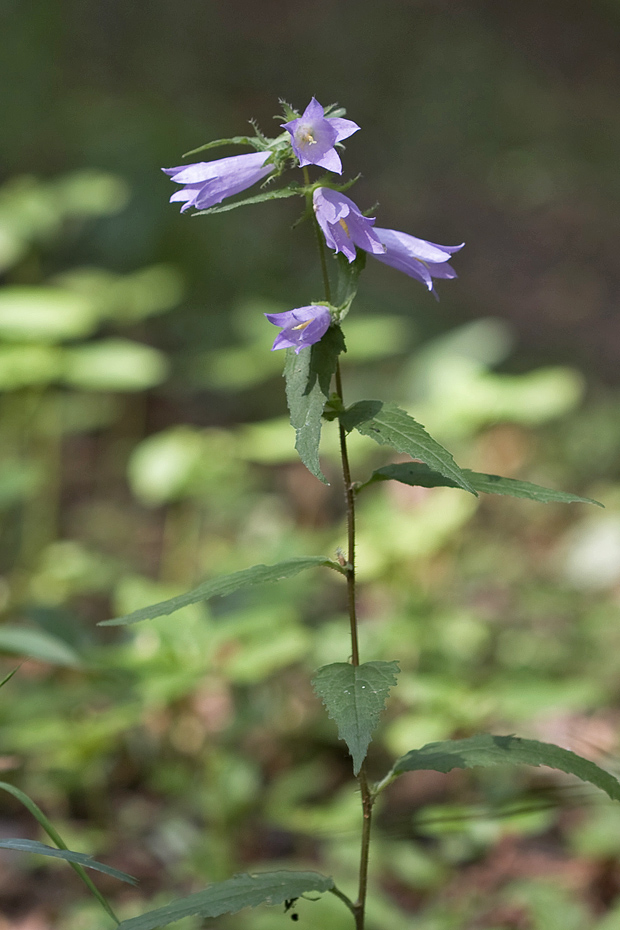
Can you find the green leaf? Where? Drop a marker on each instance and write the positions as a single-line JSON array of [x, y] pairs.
[[387, 424], [308, 381], [44, 314], [420, 475], [114, 365], [225, 584], [32, 846], [278, 194], [231, 896], [235, 140], [355, 697], [486, 750], [37, 644]]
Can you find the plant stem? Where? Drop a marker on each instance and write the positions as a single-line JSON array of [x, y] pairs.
[[358, 907]]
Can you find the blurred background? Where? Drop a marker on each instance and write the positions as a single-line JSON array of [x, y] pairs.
[[144, 446]]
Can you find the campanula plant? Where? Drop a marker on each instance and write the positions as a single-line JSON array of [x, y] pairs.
[[354, 691]]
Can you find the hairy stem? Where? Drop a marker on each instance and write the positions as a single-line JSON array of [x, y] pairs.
[[358, 907]]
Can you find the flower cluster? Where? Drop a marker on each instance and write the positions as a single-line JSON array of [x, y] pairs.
[[313, 137]]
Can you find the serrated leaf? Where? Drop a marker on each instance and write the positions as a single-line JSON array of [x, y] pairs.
[[486, 750], [225, 584], [355, 698], [420, 475], [308, 380], [235, 140], [231, 896], [32, 846], [279, 194], [388, 425]]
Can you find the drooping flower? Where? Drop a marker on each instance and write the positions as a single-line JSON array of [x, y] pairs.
[[418, 258], [343, 224], [313, 136], [209, 182], [300, 327]]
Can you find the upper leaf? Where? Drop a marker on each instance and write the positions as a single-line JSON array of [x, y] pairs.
[[355, 697], [231, 896], [308, 379], [32, 846], [225, 584], [387, 424], [486, 750], [420, 475]]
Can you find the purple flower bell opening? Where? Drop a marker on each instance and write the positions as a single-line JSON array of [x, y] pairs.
[[313, 136], [418, 258], [207, 183], [300, 327], [343, 224]]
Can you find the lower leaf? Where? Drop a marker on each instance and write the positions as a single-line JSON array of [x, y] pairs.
[[231, 896]]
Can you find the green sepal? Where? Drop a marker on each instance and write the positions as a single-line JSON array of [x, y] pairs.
[[348, 281], [417, 474], [486, 750], [293, 190], [387, 424], [308, 377], [259, 144], [355, 696]]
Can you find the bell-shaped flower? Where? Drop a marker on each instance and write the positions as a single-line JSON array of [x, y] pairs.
[[418, 258], [209, 182], [300, 327], [343, 224], [313, 136]]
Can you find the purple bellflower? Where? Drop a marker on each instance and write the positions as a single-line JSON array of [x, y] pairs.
[[313, 136], [209, 182], [343, 224], [344, 227], [300, 327], [418, 258]]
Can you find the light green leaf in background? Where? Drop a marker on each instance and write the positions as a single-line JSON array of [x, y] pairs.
[[125, 298], [233, 895], [90, 192], [44, 314], [225, 584], [114, 365], [486, 750], [419, 475], [308, 385], [387, 424], [162, 466], [355, 697], [37, 644], [29, 365], [32, 846]]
